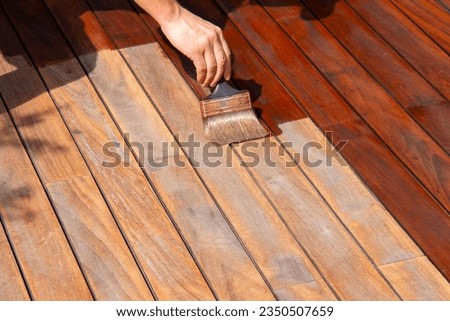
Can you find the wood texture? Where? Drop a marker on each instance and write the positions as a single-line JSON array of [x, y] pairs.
[[12, 286], [421, 282], [376, 107], [158, 247], [431, 17], [393, 73], [198, 218], [399, 192], [43, 253], [57, 158], [166, 88], [337, 183], [408, 40], [104, 256]]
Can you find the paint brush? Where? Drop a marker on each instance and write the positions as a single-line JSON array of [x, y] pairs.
[[228, 116]]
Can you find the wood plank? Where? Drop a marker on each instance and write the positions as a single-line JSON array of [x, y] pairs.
[[43, 253], [376, 230], [159, 249], [424, 158], [400, 193], [421, 282], [198, 218], [12, 286], [229, 193], [375, 55], [104, 255], [430, 17], [408, 40], [56, 148]]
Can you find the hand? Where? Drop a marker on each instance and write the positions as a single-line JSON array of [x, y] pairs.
[[203, 43]]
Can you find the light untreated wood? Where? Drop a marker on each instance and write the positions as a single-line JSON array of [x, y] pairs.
[[429, 16], [159, 249], [12, 286], [230, 272], [181, 111], [104, 256], [399, 191], [416, 279], [41, 248]]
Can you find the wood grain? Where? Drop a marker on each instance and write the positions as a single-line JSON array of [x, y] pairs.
[[12, 286], [167, 88], [383, 63], [399, 191], [424, 158], [159, 249], [104, 256], [408, 40], [198, 218], [43, 253], [430, 17], [421, 282]]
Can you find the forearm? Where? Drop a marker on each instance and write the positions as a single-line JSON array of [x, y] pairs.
[[163, 11]]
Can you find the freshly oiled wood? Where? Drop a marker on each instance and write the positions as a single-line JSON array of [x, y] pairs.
[[408, 40], [159, 249], [430, 17], [41, 248], [104, 256], [372, 52], [275, 251], [338, 184], [421, 282], [121, 278], [425, 159], [398, 191], [224, 262]]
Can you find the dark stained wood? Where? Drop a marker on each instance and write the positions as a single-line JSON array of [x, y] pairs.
[[431, 17], [198, 218], [400, 193], [41, 248], [344, 205], [408, 40], [161, 253], [373, 53], [410, 143]]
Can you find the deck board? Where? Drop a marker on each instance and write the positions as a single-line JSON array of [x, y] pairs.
[[139, 212], [364, 224], [198, 218]]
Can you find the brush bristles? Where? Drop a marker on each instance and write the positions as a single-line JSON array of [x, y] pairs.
[[233, 127]]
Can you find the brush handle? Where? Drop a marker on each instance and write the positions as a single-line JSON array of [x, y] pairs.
[[224, 89]]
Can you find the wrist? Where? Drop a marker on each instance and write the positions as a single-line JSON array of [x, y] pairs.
[[163, 12]]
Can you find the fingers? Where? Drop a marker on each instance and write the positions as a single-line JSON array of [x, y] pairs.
[[227, 55], [215, 62]]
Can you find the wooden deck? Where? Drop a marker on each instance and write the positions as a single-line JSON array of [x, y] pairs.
[[350, 199]]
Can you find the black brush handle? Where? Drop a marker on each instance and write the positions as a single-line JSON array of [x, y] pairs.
[[224, 89]]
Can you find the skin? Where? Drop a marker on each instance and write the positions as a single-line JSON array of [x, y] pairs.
[[199, 40]]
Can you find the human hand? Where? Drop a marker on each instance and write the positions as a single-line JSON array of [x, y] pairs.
[[203, 43]]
